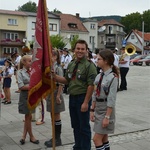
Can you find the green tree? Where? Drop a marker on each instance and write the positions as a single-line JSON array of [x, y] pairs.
[[29, 7], [73, 41], [56, 11], [132, 21], [57, 41], [146, 19]]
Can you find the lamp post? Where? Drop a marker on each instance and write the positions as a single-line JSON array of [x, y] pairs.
[[142, 37]]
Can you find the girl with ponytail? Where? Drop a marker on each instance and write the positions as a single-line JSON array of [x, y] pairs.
[[103, 100]]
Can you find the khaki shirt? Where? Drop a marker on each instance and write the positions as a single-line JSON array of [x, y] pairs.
[[85, 76], [106, 81], [23, 77], [58, 70]]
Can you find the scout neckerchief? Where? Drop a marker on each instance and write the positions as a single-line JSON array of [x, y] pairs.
[[99, 85], [75, 70]]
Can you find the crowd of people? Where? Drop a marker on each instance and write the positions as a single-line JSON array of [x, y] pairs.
[[92, 82]]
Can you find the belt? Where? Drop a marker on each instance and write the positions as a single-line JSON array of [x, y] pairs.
[[77, 95], [101, 100]]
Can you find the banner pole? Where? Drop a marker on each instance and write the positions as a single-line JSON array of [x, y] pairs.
[[52, 87], [0, 97]]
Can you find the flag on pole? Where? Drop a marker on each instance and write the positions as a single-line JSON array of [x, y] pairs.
[[40, 81]]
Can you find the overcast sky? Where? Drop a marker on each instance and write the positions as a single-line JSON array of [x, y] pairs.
[[87, 8]]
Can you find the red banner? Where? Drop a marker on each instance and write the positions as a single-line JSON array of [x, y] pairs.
[[40, 82]]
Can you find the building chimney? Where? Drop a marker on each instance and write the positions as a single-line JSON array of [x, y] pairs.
[[77, 15]]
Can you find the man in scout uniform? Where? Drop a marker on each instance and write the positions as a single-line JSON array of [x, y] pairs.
[[80, 76]]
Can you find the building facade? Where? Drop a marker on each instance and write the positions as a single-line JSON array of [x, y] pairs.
[[54, 25], [12, 31], [110, 34], [92, 27], [140, 40], [72, 26], [18, 28]]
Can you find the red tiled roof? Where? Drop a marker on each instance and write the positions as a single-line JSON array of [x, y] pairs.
[[12, 12], [109, 22], [146, 35], [67, 19]]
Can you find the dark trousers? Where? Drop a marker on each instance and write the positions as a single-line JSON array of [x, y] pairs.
[[123, 73], [80, 123], [66, 86]]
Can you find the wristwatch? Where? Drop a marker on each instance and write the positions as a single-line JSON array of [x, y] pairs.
[[107, 117]]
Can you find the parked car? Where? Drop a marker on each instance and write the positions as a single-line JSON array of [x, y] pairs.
[[136, 59], [146, 60], [134, 55]]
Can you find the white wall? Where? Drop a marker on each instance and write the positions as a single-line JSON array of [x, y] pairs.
[[92, 33], [67, 36], [31, 32], [135, 41]]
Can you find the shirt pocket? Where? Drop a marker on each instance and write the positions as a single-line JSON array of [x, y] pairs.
[[69, 74], [81, 75], [105, 87]]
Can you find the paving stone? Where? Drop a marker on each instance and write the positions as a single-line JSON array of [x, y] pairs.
[[132, 119]]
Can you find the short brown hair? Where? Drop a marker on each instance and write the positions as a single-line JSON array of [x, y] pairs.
[[81, 42]]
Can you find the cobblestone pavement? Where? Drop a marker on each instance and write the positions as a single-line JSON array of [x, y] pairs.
[[119, 139], [130, 137], [132, 119]]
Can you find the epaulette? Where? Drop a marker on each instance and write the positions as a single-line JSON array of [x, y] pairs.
[[115, 75]]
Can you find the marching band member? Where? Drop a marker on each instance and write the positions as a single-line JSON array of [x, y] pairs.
[[124, 68]]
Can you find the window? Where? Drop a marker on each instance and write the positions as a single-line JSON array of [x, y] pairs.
[[71, 37], [91, 40], [52, 27], [10, 50], [33, 37], [12, 21], [121, 29], [92, 26], [110, 28], [11, 36], [33, 25], [132, 36], [117, 28], [72, 25]]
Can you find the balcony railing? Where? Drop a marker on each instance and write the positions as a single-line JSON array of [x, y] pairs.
[[110, 44], [9, 42]]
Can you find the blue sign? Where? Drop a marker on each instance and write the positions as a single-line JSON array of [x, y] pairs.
[[124, 42]]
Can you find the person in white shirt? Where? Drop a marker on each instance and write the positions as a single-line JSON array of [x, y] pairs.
[[124, 68], [16, 61], [66, 59], [116, 61], [7, 74]]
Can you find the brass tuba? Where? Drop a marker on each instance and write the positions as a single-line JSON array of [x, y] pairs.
[[130, 49]]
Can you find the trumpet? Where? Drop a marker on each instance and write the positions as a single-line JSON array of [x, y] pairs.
[[129, 50]]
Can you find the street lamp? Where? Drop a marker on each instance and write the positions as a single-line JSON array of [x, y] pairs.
[[142, 37]]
